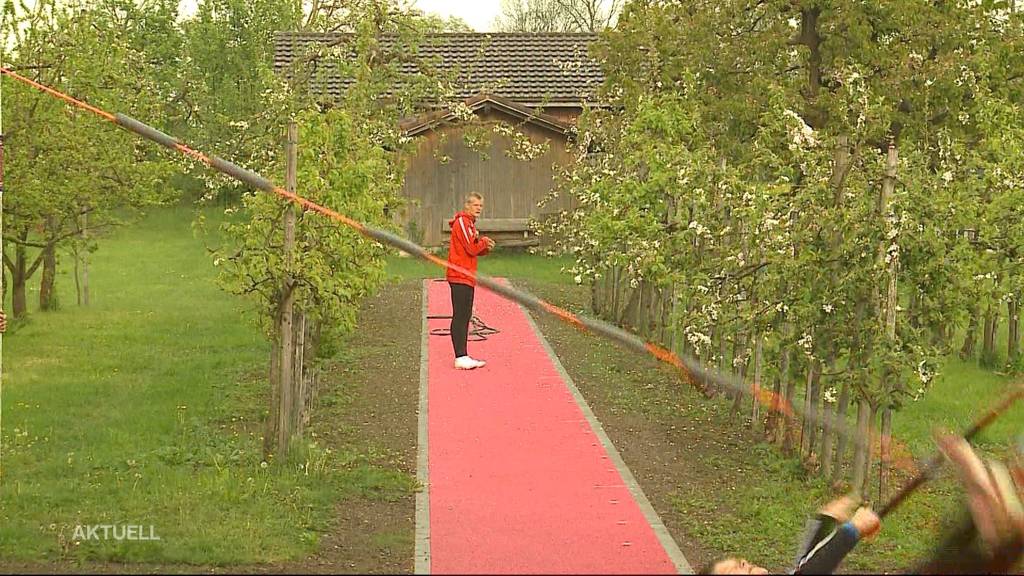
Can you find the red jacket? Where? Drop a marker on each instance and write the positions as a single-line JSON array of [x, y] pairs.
[[465, 245]]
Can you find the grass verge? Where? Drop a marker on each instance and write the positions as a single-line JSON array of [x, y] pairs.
[[145, 408]]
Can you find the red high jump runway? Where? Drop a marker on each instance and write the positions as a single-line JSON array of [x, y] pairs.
[[517, 474]]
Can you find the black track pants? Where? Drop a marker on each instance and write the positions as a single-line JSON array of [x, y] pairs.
[[462, 311]]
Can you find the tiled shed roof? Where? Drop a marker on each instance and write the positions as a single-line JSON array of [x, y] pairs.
[[530, 68]]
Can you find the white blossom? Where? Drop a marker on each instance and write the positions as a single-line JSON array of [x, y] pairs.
[[925, 372], [800, 133], [806, 341]]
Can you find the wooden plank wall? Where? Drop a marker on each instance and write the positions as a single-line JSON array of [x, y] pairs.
[[511, 188]]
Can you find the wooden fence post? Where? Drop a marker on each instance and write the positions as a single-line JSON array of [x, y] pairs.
[[299, 373], [784, 388], [755, 413], [613, 293], [827, 439], [885, 456], [988, 349], [312, 375], [888, 188], [85, 259], [808, 423], [1013, 337], [285, 409], [739, 372], [828, 425], [273, 420], [841, 441], [862, 451]]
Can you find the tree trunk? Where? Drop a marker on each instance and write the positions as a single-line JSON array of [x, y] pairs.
[[47, 284], [653, 313], [78, 281], [274, 416], [827, 438], [811, 400], [651, 317], [940, 338], [841, 441], [823, 420], [971, 338], [885, 454], [640, 320], [606, 294], [613, 310], [833, 449], [774, 422], [869, 455], [286, 366], [309, 369], [1013, 339], [666, 317], [740, 372], [723, 364], [788, 423], [19, 277], [804, 423], [912, 310], [628, 315], [890, 333], [675, 334], [815, 413], [834, 416], [862, 449], [299, 374], [286, 310], [85, 279], [755, 411], [988, 351], [85, 259], [740, 394], [656, 312]]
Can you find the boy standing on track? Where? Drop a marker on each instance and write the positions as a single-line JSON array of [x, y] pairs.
[[464, 247]]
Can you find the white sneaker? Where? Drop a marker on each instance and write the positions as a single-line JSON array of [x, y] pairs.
[[467, 363], [479, 363]]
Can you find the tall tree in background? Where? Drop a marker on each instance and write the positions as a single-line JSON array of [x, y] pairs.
[[305, 276], [743, 165], [557, 15], [63, 172]]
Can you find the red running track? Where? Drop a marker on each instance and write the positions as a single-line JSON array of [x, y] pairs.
[[518, 480]]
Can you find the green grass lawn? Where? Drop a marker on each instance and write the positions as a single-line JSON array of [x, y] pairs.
[[144, 409]]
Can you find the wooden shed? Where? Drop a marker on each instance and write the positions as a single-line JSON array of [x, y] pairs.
[[537, 84]]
